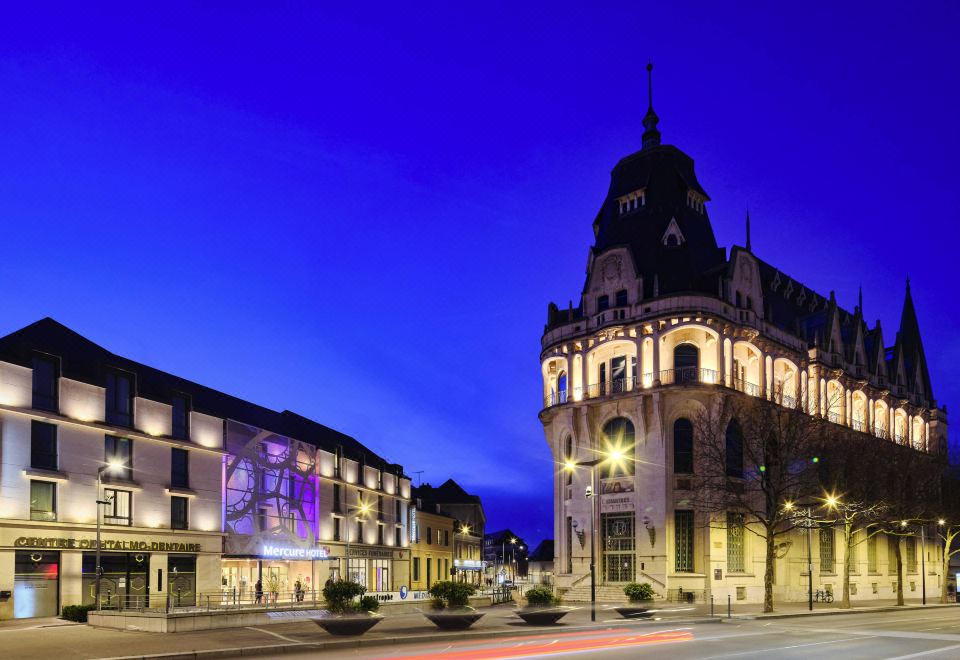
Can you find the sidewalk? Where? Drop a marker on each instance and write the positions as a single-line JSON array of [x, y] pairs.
[[50, 637]]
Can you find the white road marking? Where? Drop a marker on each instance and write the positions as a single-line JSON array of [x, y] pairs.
[[923, 653], [270, 632], [783, 648]]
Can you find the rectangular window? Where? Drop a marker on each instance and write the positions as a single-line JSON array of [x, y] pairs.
[[911, 544], [446, 537], [416, 569], [45, 390], [397, 538], [336, 498], [735, 541], [360, 531], [379, 507], [826, 549], [179, 468], [118, 509], [181, 417], [119, 452], [43, 501], [429, 536], [336, 528], [399, 513], [337, 460], [43, 446], [622, 298], [178, 513], [603, 303], [683, 524], [119, 402], [379, 534]]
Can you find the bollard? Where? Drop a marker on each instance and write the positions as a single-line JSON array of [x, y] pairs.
[[728, 606], [711, 605]]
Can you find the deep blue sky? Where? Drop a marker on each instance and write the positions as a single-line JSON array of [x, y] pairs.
[[361, 214]]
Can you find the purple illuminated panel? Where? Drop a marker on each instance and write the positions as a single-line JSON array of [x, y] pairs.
[[270, 489]]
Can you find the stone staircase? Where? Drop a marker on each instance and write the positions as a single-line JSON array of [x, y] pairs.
[[605, 594]]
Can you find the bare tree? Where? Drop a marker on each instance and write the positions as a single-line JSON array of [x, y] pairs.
[[753, 458], [948, 528]]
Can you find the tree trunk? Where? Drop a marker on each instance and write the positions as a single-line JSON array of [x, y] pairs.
[[899, 556], [945, 571], [848, 547], [768, 572]]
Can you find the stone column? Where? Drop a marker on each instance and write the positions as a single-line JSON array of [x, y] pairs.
[[656, 359]]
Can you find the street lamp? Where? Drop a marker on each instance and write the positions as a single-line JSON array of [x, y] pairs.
[[615, 455], [361, 512], [806, 511], [113, 466]]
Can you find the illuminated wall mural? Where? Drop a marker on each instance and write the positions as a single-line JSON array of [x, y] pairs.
[[270, 490]]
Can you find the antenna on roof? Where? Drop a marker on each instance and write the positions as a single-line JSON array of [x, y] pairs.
[[418, 473]]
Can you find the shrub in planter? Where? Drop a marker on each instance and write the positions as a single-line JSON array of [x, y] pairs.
[[541, 597], [640, 595], [369, 604], [637, 592], [453, 595], [76, 613], [450, 605], [340, 594]]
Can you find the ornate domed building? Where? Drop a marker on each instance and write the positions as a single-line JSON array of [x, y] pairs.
[[667, 322]]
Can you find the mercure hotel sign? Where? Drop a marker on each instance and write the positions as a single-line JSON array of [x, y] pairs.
[[91, 544]]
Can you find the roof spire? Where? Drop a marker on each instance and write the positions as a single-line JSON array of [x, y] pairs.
[[860, 300], [651, 136], [748, 231]]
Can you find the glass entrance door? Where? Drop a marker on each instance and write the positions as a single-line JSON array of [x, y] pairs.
[[618, 547]]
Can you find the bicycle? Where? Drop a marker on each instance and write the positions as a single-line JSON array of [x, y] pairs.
[[822, 596]]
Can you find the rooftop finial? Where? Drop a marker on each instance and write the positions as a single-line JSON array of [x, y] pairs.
[[860, 299], [651, 136], [748, 231]]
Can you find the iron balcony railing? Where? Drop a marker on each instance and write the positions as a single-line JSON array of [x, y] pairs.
[[746, 387], [688, 375]]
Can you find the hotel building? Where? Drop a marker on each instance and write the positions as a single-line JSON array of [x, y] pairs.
[[201, 493]]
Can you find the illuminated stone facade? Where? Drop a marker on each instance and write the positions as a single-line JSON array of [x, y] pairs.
[[666, 323]]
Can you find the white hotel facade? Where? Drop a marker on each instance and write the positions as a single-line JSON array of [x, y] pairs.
[[207, 494]]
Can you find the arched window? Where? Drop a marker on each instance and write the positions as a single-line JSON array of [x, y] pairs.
[[683, 446], [734, 454], [686, 360], [562, 387], [618, 436]]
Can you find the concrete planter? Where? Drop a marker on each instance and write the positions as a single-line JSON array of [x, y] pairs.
[[640, 609], [542, 616], [453, 619], [351, 624]]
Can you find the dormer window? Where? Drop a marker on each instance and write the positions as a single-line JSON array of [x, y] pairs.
[[632, 202], [695, 201], [673, 237]]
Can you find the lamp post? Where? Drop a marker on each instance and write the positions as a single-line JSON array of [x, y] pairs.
[[113, 466], [807, 514], [361, 512], [513, 559], [591, 494]]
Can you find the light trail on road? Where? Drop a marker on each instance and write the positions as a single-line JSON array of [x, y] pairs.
[[542, 645]]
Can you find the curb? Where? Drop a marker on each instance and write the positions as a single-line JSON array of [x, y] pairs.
[[388, 641], [836, 612]]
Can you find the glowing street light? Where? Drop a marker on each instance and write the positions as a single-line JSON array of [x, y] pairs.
[[115, 466]]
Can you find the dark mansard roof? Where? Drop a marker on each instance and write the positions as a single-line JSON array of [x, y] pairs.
[[88, 362], [667, 176]]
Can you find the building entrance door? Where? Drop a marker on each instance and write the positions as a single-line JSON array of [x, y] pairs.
[[618, 547], [123, 581], [36, 584]]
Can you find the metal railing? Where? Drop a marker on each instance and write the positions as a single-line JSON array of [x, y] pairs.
[[682, 595], [227, 600], [746, 387], [688, 375]]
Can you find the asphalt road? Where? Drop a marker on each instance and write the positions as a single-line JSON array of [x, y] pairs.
[[894, 635]]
